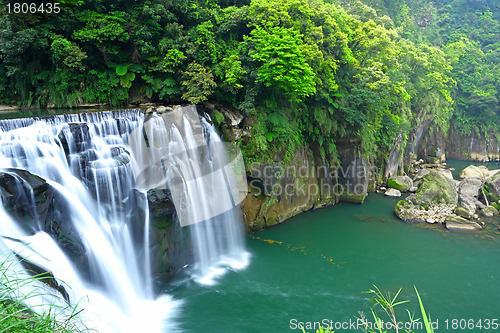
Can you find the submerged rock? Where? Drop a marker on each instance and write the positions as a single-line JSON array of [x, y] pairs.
[[454, 222]]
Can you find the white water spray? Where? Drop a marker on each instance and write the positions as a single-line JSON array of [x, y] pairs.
[[184, 154]]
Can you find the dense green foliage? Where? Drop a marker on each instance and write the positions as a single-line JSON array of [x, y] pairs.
[[307, 71]]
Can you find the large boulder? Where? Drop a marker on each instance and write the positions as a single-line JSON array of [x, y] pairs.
[[401, 183], [492, 187], [454, 222], [435, 199], [468, 193], [34, 203], [475, 171]]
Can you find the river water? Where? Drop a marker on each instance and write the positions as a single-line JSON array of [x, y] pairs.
[[318, 265]]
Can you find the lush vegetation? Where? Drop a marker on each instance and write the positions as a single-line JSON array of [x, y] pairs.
[[307, 71]]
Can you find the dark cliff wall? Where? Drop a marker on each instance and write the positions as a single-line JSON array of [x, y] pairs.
[[472, 147]]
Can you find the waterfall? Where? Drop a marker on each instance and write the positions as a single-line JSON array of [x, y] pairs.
[[96, 240], [179, 151], [74, 193]]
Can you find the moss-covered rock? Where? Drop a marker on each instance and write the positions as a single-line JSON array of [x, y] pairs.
[[462, 212], [401, 183], [436, 188], [435, 199]]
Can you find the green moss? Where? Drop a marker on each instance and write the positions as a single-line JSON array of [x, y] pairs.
[[438, 189], [162, 222], [399, 183], [218, 118], [462, 212]]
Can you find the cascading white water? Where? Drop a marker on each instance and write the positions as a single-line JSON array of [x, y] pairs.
[[99, 167], [96, 187], [185, 154]]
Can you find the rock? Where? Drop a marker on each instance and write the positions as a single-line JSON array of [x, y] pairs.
[[462, 212], [420, 174], [454, 222], [435, 152], [402, 183], [382, 188], [413, 189], [489, 211], [492, 187], [433, 160], [446, 173], [475, 171], [468, 193], [75, 138], [479, 204], [392, 192], [434, 200], [26, 196], [436, 188]]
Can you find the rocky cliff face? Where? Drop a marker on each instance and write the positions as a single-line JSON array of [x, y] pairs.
[[278, 190], [472, 147]]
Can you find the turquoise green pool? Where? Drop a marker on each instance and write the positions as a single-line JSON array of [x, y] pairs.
[[317, 266]]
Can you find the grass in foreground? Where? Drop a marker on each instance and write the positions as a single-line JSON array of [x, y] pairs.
[[386, 304], [17, 317]]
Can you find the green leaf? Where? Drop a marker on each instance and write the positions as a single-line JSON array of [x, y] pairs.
[[169, 82], [428, 327], [121, 70], [126, 80], [135, 68]]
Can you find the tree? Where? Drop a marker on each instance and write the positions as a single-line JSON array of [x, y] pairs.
[[282, 61], [197, 84]]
